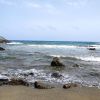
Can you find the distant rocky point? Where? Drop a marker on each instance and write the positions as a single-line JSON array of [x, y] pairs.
[[3, 40]]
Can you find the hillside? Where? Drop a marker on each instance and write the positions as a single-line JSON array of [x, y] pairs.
[[3, 40]]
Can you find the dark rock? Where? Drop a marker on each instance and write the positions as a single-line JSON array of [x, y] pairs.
[[76, 65], [56, 75], [91, 48], [27, 74], [69, 85], [56, 62], [4, 81], [2, 49], [18, 82], [40, 85], [32, 74]]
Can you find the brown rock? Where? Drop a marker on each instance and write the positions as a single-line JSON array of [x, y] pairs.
[[56, 62], [69, 85], [40, 85], [18, 82]]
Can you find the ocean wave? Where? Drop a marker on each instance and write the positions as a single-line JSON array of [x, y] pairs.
[[53, 46], [12, 43], [90, 58]]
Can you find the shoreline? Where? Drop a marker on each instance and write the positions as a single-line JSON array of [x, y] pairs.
[[28, 93]]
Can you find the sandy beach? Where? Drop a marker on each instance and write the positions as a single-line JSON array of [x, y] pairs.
[[28, 93]]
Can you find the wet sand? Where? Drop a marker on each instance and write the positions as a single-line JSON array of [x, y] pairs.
[[28, 93]]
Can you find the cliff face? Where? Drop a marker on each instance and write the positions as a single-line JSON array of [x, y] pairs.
[[3, 40]]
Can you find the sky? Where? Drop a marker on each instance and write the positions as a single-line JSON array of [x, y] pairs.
[[50, 20]]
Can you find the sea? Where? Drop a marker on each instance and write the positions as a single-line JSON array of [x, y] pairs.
[[22, 57]]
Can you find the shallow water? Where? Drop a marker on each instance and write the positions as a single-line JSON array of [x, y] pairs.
[[35, 56]]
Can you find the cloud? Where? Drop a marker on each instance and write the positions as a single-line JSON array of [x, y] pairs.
[[7, 2], [32, 4], [76, 3]]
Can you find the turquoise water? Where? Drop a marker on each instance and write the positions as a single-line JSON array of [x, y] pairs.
[[76, 43]]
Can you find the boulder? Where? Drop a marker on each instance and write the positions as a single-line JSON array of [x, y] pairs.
[[41, 85], [18, 82], [56, 75], [69, 85], [56, 62], [2, 49]]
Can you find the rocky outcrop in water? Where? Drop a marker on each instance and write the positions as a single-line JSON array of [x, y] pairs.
[[2, 49], [56, 62], [3, 40], [70, 85], [41, 85], [91, 48]]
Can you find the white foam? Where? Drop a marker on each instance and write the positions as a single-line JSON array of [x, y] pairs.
[[91, 58], [53, 46], [15, 43], [58, 56], [3, 77]]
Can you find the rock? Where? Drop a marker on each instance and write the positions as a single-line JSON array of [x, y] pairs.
[[40, 85], [2, 49], [56, 75], [3, 40], [76, 65], [56, 62], [4, 81], [91, 48], [27, 74], [32, 74], [18, 82], [69, 85]]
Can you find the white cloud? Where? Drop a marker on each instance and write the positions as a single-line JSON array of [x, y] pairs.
[[76, 3], [49, 6], [7, 2], [32, 4]]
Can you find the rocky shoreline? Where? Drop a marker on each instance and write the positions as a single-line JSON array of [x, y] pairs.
[[38, 84]]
